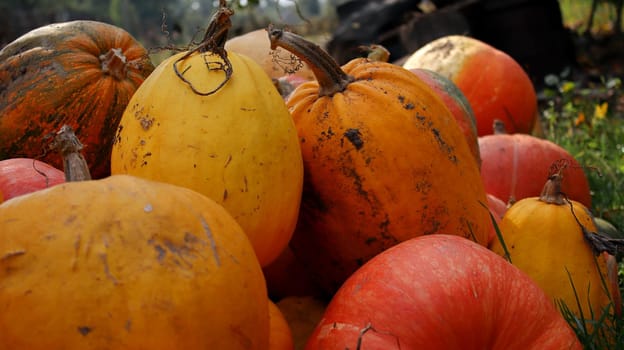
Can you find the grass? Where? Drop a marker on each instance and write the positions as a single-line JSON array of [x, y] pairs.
[[584, 121]]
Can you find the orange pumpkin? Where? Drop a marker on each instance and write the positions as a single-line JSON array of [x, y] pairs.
[[496, 86], [384, 161], [127, 263], [280, 336], [456, 103], [80, 73]]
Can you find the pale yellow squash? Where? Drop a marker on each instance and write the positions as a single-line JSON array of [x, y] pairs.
[[238, 145]]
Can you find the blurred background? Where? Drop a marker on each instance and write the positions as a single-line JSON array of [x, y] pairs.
[[545, 36]]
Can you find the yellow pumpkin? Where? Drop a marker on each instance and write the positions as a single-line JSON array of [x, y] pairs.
[[127, 263], [238, 144], [544, 238]]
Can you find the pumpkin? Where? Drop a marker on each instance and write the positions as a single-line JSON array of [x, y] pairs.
[[81, 73], [450, 94], [19, 176], [497, 209], [280, 336], [302, 313], [127, 263], [456, 102], [548, 238], [494, 84], [513, 167], [384, 161], [223, 131], [277, 63], [441, 292]]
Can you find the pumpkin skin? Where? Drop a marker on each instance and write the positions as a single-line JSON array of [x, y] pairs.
[[493, 82], [256, 45], [441, 292], [237, 146], [54, 75], [20, 176], [383, 159], [545, 241], [456, 102], [127, 263], [302, 313], [497, 209], [514, 167], [280, 336]]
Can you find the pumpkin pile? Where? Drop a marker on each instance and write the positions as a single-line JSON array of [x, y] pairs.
[[370, 207]]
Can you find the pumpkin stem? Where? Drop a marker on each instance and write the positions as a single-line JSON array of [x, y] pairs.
[[114, 63], [74, 164], [551, 192], [212, 43], [330, 77], [217, 31], [499, 127]]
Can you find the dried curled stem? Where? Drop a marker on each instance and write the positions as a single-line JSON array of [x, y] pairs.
[[213, 42], [330, 77], [69, 147]]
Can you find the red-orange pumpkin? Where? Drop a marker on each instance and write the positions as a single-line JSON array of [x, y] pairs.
[[80, 73], [384, 161], [441, 292], [496, 86], [497, 209], [514, 167], [19, 176]]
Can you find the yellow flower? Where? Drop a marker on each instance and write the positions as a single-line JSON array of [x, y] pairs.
[[600, 111], [580, 119], [567, 86]]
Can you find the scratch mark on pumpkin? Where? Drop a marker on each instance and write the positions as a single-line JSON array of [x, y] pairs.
[[107, 272], [77, 244], [12, 254], [213, 244], [227, 161]]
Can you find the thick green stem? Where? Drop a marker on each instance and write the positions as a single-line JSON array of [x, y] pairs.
[[330, 77]]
